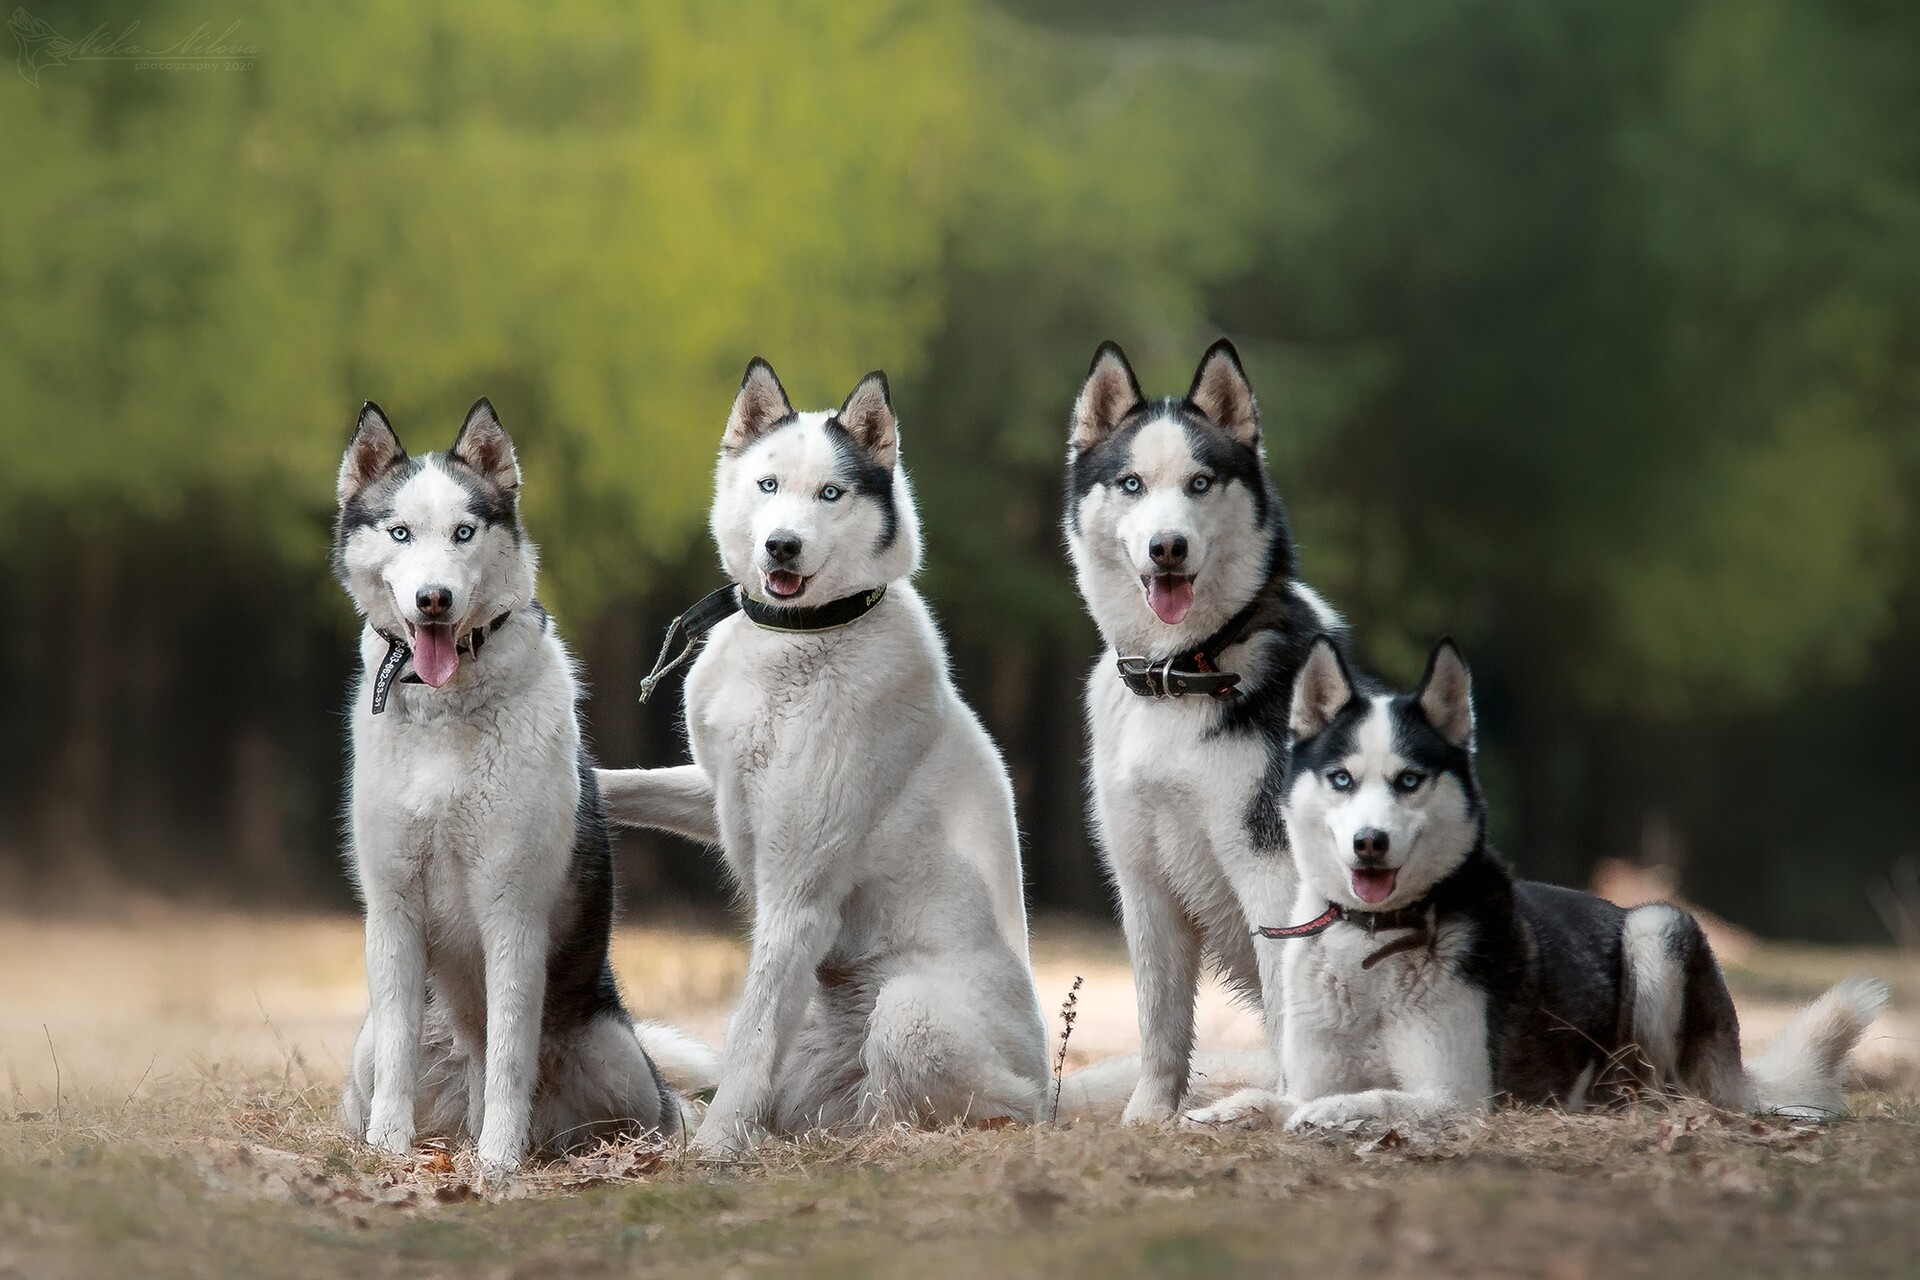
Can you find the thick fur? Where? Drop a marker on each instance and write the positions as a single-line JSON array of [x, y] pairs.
[[1186, 793], [1516, 990], [478, 837], [863, 812]]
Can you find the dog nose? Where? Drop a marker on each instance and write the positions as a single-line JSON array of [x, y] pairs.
[[783, 547], [1169, 550], [1371, 844], [433, 602]]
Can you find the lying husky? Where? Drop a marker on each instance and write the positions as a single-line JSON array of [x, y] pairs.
[[1424, 980], [863, 811], [1181, 549], [479, 841]]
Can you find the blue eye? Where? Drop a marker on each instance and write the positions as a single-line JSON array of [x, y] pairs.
[[463, 534], [399, 533], [1408, 781], [1199, 484], [1340, 780], [1132, 484], [831, 493], [769, 484]]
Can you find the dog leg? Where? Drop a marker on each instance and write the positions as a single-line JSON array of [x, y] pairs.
[[1165, 947], [1438, 1054], [679, 800], [791, 935], [516, 957], [397, 994], [1267, 894]]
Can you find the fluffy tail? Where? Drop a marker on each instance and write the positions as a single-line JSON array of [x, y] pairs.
[[1100, 1091], [1802, 1072], [689, 1065]]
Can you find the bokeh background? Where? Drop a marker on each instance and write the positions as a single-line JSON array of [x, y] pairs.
[[1587, 331]]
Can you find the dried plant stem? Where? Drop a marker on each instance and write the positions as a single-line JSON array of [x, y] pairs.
[[1069, 1010]]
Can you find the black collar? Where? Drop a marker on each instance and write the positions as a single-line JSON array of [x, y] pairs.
[[687, 630], [1421, 916], [1195, 671], [398, 651]]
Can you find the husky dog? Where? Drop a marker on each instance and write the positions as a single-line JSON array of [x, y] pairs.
[[864, 813], [1426, 981], [479, 840], [1182, 552]]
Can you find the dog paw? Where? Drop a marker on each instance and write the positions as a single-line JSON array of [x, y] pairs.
[[1248, 1109], [721, 1142], [1149, 1108], [391, 1135], [1340, 1113]]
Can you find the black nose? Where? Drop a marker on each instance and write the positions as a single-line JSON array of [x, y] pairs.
[[1371, 844], [783, 547], [1169, 550], [433, 601]]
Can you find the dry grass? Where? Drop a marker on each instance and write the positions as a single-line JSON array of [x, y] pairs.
[[192, 1134]]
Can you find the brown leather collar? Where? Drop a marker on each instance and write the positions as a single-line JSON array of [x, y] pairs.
[[1419, 916]]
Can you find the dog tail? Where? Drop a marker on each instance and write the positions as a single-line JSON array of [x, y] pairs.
[[1802, 1073], [688, 1064], [1100, 1091]]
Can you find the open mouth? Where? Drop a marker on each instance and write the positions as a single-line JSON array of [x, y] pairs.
[[1374, 887], [436, 651], [1169, 595], [783, 584]]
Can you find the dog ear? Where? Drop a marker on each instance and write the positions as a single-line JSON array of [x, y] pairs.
[[1321, 689], [1446, 695], [1109, 393], [483, 445], [868, 417], [761, 403], [1222, 395], [373, 448]]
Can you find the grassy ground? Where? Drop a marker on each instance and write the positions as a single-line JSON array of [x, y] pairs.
[[190, 1133]]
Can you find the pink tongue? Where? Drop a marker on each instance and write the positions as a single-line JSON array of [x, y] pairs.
[[434, 653], [1169, 597], [1374, 886]]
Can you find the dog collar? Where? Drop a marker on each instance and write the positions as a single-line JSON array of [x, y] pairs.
[[691, 627], [398, 651], [1419, 916], [1197, 671]]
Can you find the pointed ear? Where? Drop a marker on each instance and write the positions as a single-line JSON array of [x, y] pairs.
[[1222, 395], [1320, 690], [868, 417], [1109, 393], [1446, 695], [761, 403], [483, 445], [373, 448]]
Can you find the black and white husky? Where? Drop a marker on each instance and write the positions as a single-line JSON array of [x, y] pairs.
[[478, 837], [1423, 980], [1182, 552], [863, 812]]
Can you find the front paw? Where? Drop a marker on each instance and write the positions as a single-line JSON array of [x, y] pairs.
[[1150, 1105], [1246, 1110], [392, 1134], [722, 1139], [1337, 1113]]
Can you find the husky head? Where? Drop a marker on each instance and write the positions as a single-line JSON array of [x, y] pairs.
[[1381, 799], [1172, 521], [431, 548], [809, 507]]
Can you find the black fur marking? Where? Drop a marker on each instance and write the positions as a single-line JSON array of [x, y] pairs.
[[369, 507], [1229, 460], [866, 478], [487, 502]]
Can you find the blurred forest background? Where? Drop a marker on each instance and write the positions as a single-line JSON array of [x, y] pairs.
[[1587, 331]]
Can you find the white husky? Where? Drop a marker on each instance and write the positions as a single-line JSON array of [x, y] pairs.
[[862, 809], [1182, 552], [478, 838]]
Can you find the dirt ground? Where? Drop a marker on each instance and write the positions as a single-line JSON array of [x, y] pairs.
[[170, 1079]]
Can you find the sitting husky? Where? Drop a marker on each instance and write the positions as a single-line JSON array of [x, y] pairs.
[[1426, 981], [863, 811], [1182, 552], [479, 841]]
